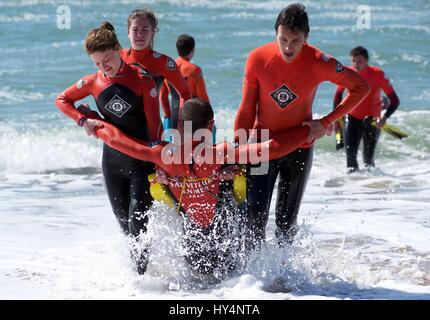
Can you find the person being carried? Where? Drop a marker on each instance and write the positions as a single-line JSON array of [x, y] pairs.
[[364, 121], [198, 182], [191, 72]]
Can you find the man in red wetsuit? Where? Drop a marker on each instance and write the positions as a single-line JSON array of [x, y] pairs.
[[280, 82], [359, 121], [142, 26], [212, 222], [191, 72]]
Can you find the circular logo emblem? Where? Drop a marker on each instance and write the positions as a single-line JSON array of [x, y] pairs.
[[283, 97], [80, 84], [117, 106], [153, 93]]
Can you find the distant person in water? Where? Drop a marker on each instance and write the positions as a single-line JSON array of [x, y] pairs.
[[191, 72], [364, 122]]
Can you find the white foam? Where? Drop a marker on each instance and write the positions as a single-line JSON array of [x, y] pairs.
[[10, 96]]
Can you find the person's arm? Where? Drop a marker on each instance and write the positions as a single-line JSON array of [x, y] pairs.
[[391, 94], [337, 98], [164, 99], [151, 109], [172, 74], [275, 148], [133, 147], [335, 72], [247, 112], [65, 101], [200, 85]]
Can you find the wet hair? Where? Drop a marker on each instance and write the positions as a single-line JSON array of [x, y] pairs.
[[185, 44], [199, 112], [101, 39], [360, 51], [293, 18], [144, 13]]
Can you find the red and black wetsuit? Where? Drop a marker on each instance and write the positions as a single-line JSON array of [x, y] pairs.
[[358, 124], [160, 67], [193, 75], [277, 96], [130, 102], [206, 202]]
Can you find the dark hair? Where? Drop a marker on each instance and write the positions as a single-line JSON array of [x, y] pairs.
[[102, 39], [293, 18], [145, 13], [198, 111], [360, 51], [185, 44]]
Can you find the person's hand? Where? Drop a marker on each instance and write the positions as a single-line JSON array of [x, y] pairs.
[[90, 126], [228, 173], [84, 108], [381, 122], [337, 126], [330, 129], [161, 176], [316, 130]]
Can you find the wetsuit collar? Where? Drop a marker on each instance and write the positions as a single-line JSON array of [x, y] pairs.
[[139, 54], [364, 71], [180, 59]]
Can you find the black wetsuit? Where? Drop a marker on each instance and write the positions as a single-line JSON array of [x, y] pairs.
[[354, 131], [293, 170]]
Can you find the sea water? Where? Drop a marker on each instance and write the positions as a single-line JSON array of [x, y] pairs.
[[362, 236]]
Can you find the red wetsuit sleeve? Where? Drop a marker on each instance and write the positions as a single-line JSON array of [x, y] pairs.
[[386, 84], [337, 99], [135, 148], [278, 146], [333, 71], [247, 112], [152, 109], [164, 99], [199, 84], [65, 101]]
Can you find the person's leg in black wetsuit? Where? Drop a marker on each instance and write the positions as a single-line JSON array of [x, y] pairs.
[[126, 181], [353, 133], [294, 171], [370, 139], [259, 189]]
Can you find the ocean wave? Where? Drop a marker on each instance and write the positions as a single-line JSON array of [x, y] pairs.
[[9, 96], [25, 17], [42, 150]]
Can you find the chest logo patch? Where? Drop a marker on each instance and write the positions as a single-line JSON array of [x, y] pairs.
[[117, 106], [171, 64], [283, 96], [339, 67]]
